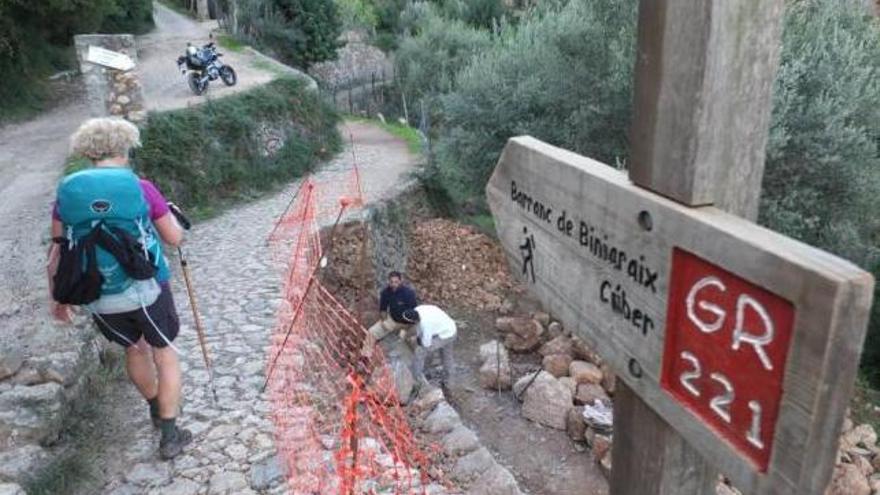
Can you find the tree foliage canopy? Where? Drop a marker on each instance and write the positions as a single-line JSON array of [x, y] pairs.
[[564, 75], [299, 32]]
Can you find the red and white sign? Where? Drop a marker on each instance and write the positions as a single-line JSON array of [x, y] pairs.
[[726, 346]]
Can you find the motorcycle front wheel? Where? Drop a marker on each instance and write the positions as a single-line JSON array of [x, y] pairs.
[[228, 75], [196, 84]]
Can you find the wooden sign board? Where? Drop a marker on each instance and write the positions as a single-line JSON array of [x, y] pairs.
[[743, 340], [109, 58]]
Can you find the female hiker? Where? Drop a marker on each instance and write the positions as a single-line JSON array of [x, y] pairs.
[[107, 257]]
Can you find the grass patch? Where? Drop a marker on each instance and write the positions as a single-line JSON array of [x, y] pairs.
[[266, 66], [83, 435], [231, 43], [210, 157], [409, 134]]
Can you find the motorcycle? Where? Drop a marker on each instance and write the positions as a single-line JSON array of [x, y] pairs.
[[204, 65]]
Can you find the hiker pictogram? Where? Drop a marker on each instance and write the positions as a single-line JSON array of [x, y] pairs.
[[527, 249]]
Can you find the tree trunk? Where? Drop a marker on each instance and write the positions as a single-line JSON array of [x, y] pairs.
[[233, 16], [202, 10]]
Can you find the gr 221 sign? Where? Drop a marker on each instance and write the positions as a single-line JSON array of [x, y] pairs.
[[744, 341], [726, 345]]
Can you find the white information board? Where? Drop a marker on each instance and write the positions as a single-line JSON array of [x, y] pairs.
[[109, 58]]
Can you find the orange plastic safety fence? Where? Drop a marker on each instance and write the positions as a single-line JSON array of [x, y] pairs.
[[339, 425]]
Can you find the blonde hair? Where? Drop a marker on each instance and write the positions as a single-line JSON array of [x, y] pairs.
[[105, 137]]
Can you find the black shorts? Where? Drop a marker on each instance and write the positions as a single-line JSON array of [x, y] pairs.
[[127, 328]]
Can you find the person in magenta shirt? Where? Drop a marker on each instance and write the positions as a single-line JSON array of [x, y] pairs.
[[147, 333]]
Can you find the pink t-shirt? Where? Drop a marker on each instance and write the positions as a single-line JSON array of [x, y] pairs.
[[158, 204]]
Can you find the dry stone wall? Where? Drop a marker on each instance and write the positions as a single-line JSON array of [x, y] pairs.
[[110, 91]]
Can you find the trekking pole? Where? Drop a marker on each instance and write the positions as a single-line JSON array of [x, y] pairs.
[[200, 331]]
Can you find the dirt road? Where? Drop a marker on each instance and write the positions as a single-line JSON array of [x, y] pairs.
[[32, 156], [164, 86]]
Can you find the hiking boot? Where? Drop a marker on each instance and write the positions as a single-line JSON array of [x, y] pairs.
[[169, 448]]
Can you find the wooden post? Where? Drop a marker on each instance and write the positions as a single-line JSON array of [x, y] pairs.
[[703, 88], [202, 10], [651, 457], [373, 85], [233, 16]]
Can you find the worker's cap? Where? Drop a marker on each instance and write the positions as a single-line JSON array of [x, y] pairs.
[[411, 316]]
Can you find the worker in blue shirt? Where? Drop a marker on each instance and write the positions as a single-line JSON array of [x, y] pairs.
[[393, 301]]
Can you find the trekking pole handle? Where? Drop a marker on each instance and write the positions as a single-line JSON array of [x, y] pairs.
[[178, 214]]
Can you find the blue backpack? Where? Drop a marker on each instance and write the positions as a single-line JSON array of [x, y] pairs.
[[110, 252]]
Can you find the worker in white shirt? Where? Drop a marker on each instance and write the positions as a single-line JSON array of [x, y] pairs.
[[435, 332]]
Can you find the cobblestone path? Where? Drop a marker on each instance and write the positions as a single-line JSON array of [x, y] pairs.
[[237, 286]]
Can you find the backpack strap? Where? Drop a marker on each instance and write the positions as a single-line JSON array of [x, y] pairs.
[[131, 255]]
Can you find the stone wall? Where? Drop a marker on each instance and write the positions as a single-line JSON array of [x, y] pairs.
[[389, 223], [470, 465], [110, 91], [357, 63], [36, 395], [354, 81]]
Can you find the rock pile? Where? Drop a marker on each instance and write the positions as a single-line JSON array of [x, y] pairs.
[[126, 99], [470, 465], [572, 376], [356, 63], [521, 334], [469, 273], [858, 462], [857, 471], [495, 371]]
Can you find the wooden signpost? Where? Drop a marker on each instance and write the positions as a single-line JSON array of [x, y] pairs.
[[737, 347]]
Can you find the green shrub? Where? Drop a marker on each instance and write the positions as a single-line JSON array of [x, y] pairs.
[[822, 178], [428, 63], [212, 154], [299, 32], [823, 170], [357, 14], [484, 14], [388, 22], [230, 43], [130, 16], [563, 76]]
